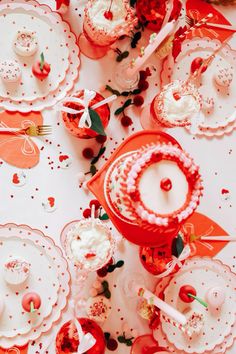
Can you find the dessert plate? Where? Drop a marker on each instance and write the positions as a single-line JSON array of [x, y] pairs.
[[71, 75], [14, 320], [51, 41], [159, 336], [202, 273], [36, 236], [218, 103]]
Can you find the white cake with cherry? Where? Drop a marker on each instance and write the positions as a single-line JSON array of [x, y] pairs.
[[157, 186]]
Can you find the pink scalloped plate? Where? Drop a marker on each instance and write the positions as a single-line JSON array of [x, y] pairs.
[[55, 50], [71, 75], [24, 231], [220, 345], [220, 116]]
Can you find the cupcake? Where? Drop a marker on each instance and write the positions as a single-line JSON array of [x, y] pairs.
[[176, 104], [16, 271], [98, 308], [72, 121], [25, 43]]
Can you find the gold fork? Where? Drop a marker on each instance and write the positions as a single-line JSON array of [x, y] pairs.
[[33, 130]]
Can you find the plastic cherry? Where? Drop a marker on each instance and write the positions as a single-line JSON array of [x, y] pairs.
[[166, 184], [31, 302], [177, 96], [188, 293], [185, 291], [41, 68], [108, 15]]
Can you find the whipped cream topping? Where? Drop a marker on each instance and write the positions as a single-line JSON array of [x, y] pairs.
[[181, 108], [158, 200], [88, 246], [96, 12]]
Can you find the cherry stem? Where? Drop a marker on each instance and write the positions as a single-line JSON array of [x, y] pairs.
[[42, 61], [32, 309], [198, 299], [110, 5]]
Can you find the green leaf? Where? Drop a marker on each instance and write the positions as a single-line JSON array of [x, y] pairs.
[[111, 268], [107, 335], [177, 246], [96, 158], [136, 92], [120, 264], [105, 285], [119, 111], [96, 122], [119, 58], [127, 103], [125, 54], [132, 2], [107, 294], [93, 170], [121, 339], [115, 92], [104, 217], [129, 343], [125, 93]]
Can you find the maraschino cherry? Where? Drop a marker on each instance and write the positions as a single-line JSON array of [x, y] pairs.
[[188, 293], [108, 14], [166, 184]]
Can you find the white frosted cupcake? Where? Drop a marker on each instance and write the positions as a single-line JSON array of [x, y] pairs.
[[98, 308], [25, 43], [16, 271]]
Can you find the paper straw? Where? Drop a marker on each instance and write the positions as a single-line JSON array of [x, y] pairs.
[[218, 238], [150, 49], [162, 305], [196, 25]]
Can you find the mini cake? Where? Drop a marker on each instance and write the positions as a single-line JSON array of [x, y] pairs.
[[16, 271], [89, 246], [224, 76], [25, 43], [105, 21], [157, 186], [98, 308], [72, 120], [10, 71], [176, 104]]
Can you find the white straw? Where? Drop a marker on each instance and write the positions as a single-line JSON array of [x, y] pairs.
[[218, 238]]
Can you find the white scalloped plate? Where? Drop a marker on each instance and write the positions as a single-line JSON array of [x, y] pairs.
[[162, 340], [51, 41], [220, 120], [14, 319], [24, 231], [73, 71], [202, 273]]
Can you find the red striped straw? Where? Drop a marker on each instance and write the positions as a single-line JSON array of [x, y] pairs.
[[173, 322], [196, 25]]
